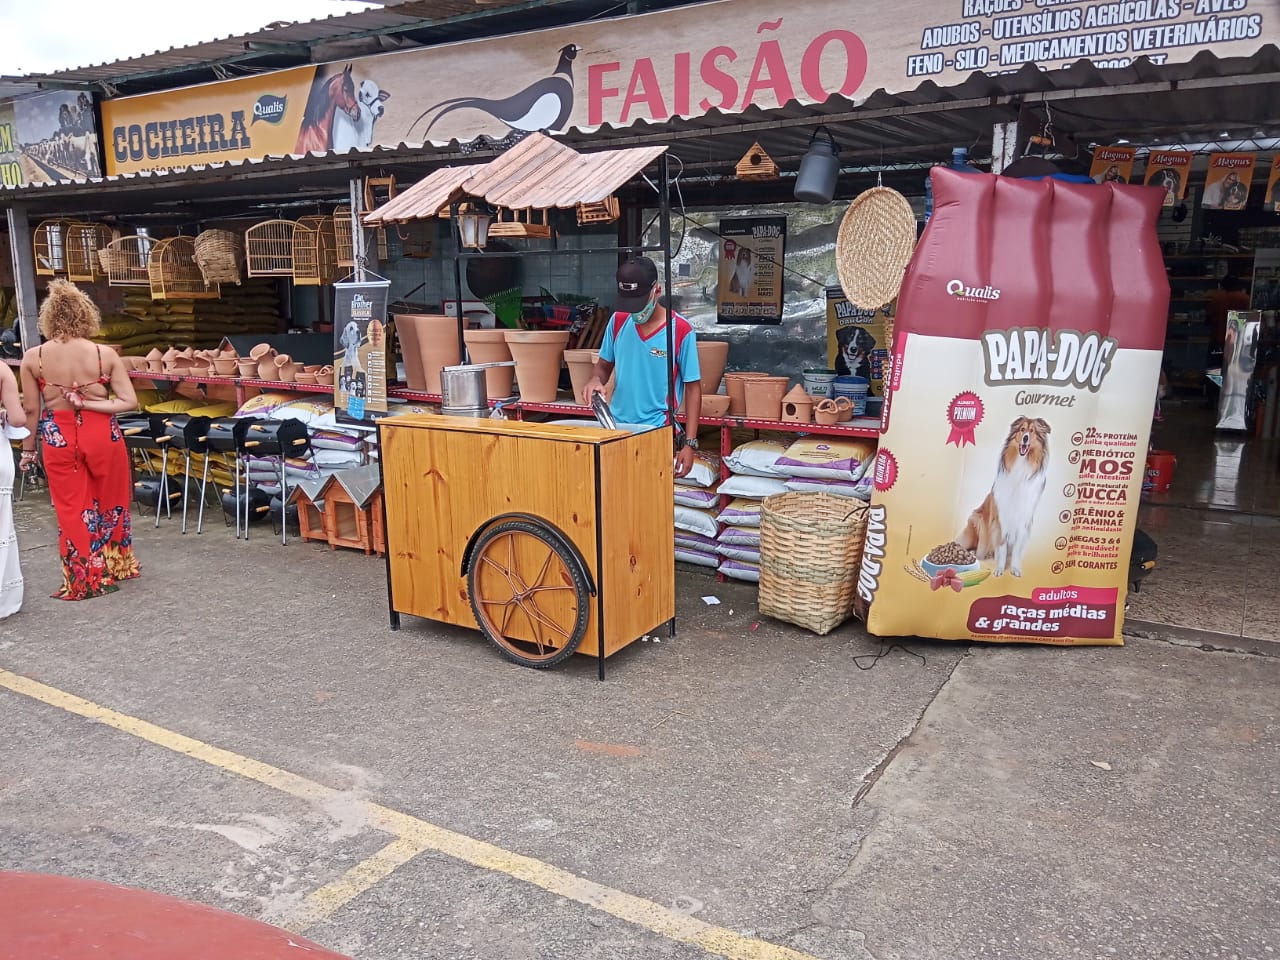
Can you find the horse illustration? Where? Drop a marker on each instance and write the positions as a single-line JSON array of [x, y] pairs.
[[326, 98]]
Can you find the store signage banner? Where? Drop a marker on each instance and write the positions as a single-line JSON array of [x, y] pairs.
[[48, 137], [1227, 181], [752, 250], [726, 56], [1027, 351], [857, 339], [1112, 164], [360, 348], [1171, 170]]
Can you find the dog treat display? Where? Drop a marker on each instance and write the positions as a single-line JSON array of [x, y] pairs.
[[1026, 359]]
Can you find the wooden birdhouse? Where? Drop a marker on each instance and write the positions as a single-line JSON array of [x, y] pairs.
[[756, 165], [525, 224]]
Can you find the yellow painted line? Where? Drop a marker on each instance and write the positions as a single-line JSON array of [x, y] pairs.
[[416, 836]]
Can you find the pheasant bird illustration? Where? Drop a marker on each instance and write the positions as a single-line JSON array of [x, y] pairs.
[[545, 105]]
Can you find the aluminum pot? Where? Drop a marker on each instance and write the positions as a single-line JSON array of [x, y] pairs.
[[463, 386], [476, 413]]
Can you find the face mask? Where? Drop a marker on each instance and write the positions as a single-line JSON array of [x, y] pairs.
[[645, 312]]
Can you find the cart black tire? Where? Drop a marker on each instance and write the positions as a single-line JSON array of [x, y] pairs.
[[567, 573]]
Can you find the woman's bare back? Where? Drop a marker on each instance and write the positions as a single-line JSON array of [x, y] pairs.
[[59, 366]]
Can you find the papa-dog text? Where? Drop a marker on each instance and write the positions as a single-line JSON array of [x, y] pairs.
[[1034, 355]]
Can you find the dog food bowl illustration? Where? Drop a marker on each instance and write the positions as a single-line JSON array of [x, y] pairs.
[[933, 569]]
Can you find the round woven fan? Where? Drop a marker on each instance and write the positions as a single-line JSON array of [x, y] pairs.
[[876, 239]]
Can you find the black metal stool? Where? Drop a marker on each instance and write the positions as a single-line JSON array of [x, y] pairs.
[[277, 440], [190, 435]]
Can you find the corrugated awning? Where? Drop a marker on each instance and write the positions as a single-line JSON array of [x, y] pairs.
[[537, 172]]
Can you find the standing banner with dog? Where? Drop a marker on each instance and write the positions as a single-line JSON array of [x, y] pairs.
[[1026, 360], [360, 348]]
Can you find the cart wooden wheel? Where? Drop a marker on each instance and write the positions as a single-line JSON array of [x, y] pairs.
[[528, 593]]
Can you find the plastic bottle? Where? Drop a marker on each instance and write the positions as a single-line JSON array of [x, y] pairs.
[[960, 163]]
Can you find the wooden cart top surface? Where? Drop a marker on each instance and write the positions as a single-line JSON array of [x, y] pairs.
[[508, 428]]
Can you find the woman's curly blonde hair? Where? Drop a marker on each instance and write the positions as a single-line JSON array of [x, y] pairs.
[[68, 311]]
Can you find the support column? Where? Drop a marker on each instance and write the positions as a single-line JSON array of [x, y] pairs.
[[1004, 145], [359, 249], [24, 276]]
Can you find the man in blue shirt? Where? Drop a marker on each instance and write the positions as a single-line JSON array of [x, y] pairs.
[[635, 342]]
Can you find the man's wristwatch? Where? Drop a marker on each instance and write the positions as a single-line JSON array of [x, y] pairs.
[[691, 442]]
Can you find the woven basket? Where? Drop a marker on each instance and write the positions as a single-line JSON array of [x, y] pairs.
[[220, 256], [876, 239], [810, 548]]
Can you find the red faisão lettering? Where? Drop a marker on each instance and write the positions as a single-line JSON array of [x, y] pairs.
[[855, 64], [717, 79], [769, 58], [597, 91], [681, 93], [644, 88]]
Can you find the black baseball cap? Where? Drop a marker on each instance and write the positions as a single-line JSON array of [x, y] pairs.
[[635, 279]]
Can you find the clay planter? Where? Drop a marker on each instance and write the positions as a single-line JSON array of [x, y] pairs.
[[262, 350], [764, 397], [267, 368], [325, 375], [303, 377], [844, 409], [580, 363], [712, 355], [538, 355], [734, 387], [490, 346], [715, 404], [247, 368], [797, 406], [826, 412], [286, 369], [225, 366], [428, 342]]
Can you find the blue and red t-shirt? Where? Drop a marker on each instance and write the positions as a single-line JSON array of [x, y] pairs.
[[640, 395]]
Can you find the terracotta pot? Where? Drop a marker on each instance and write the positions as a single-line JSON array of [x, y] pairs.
[[325, 375], [286, 369], [844, 409], [797, 406], [262, 350], [538, 355], [715, 404], [734, 387], [490, 346], [764, 397], [580, 363], [247, 368], [303, 377], [167, 360], [155, 361], [427, 343], [267, 368], [225, 366], [826, 412], [712, 355], [227, 352]]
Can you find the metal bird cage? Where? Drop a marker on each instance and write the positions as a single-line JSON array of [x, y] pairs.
[[220, 256], [49, 246], [173, 273], [125, 261], [268, 248], [82, 242], [315, 256], [342, 237]]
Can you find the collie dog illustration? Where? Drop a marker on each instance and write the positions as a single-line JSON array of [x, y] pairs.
[[1001, 527]]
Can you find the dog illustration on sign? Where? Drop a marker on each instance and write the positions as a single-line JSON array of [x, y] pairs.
[[1001, 527], [349, 134]]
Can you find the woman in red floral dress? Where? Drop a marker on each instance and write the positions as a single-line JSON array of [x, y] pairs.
[[81, 387]]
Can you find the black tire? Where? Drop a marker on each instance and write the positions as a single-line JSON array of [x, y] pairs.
[[570, 563]]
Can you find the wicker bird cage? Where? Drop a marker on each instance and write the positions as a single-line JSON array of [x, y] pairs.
[[49, 245], [268, 248], [602, 211], [315, 257], [83, 242], [220, 256], [525, 224], [173, 272], [342, 236], [124, 261]]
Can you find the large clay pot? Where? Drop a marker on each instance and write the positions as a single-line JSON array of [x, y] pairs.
[[580, 363], [764, 397], [490, 346], [734, 387], [538, 355], [428, 343], [712, 355]]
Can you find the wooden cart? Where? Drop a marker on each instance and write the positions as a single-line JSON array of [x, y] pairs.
[[550, 539]]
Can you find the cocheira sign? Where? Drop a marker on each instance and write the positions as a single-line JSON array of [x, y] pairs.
[[724, 56]]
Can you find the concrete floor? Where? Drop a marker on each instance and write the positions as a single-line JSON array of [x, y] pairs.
[[744, 790]]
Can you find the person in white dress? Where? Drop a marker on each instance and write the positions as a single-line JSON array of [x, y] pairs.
[[13, 422]]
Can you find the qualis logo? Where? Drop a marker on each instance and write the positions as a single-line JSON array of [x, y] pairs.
[[958, 289], [270, 108]]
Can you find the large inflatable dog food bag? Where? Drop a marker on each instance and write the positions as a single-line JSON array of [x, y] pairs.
[[1026, 358]]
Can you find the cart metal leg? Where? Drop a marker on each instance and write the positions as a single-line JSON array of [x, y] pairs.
[[204, 485], [186, 483], [162, 490]]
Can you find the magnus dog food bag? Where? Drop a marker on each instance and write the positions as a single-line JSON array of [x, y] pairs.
[[1026, 359]]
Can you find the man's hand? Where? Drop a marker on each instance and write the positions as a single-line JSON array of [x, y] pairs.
[[593, 386], [684, 462]]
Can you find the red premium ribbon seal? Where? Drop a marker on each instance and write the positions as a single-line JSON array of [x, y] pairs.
[[730, 249], [964, 413]]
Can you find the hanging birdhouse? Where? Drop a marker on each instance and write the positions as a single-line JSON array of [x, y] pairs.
[[756, 165], [602, 211], [377, 191], [523, 224]]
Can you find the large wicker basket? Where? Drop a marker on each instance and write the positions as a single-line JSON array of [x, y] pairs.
[[220, 256], [810, 549]]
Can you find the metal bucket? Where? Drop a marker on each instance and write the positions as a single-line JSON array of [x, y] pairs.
[[463, 387], [476, 413]]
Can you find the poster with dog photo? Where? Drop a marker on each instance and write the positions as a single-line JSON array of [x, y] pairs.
[[360, 349], [857, 341], [1227, 181], [1112, 164], [750, 276], [1169, 169], [1026, 358]]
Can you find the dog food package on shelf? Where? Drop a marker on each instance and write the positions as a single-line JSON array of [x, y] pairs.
[[698, 558], [705, 471], [840, 488], [740, 570], [757, 458], [826, 459], [695, 541], [741, 512], [752, 488], [739, 536], [696, 521], [700, 498], [1027, 351], [735, 551]]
